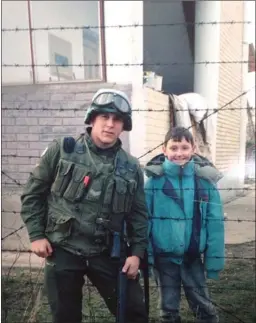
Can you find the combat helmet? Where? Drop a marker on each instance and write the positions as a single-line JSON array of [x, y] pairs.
[[113, 101]]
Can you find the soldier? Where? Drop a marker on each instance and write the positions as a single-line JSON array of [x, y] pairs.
[[76, 200]]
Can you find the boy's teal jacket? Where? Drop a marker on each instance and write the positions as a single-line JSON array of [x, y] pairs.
[[170, 224]]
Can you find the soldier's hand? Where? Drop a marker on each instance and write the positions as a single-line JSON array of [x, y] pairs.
[[131, 267], [41, 248]]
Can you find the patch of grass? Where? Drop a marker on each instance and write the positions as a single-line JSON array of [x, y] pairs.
[[233, 294]]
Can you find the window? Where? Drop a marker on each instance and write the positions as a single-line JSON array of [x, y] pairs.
[[55, 43], [16, 45]]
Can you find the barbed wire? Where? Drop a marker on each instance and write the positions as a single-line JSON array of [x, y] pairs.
[[203, 189], [58, 93], [164, 218], [13, 232], [174, 256], [228, 189], [12, 179], [100, 317], [146, 189], [133, 110], [135, 25], [192, 287], [230, 102], [153, 319], [213, 288], [161, 218], [204, 118], [14, 155], [46, 65]]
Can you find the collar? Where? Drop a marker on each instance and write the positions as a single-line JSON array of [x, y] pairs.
[[173, 169]]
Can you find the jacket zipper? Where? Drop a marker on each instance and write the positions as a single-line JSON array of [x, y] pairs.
[[181, 188]]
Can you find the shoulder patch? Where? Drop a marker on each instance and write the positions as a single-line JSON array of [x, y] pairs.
[[43, 153], [69, 144], [80, 148]]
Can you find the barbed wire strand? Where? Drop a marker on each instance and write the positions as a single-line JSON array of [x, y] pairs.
[[162, 217], [213, 257], [213, 288], [166, 273], [174, 256], [63, 28], [181, 189], [46, 65], [204, 118], [79, 65], [195, 289], [134, 110]]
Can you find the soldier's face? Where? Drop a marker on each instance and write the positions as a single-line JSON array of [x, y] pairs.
[[106, 128]]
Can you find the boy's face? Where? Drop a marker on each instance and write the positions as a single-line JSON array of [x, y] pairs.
[[179, 152]]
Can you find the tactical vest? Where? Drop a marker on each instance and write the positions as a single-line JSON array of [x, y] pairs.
[[89, 198]]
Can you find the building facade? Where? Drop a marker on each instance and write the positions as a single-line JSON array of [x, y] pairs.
[[56, 53]]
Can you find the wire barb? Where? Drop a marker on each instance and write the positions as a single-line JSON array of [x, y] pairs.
[[62, 28], [145, 64]]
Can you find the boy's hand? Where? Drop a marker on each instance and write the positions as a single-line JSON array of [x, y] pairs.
[[212, 275]]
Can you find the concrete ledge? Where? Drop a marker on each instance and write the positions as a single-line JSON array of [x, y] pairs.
[[22, 259]]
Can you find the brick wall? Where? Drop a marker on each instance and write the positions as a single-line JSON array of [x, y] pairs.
[[31, 119], [157, 122], [27, 133], [229, 123], [230, 86]]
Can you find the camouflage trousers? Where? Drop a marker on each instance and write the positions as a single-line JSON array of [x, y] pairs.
[[64, 280]]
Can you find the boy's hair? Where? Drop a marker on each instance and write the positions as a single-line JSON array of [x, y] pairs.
[[177, 134]]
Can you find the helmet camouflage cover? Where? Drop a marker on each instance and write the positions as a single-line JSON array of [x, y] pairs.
[[112, 101]]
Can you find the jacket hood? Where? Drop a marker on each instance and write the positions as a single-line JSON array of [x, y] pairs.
[[203, 168]]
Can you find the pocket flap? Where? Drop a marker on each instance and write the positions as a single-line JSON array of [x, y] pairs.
[[78, 174], [121, 186], [61, 219], [65, 167], [132, 185]]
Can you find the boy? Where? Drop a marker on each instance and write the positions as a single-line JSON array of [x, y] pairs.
[[186, 221]]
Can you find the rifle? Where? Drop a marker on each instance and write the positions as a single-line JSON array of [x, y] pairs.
[[144, 268], [122, 280], [121, 297], [122, 277]]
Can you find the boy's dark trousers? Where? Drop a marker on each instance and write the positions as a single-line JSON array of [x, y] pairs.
[[64, 279], [170, 277]]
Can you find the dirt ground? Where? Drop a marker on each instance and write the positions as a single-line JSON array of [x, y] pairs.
[[234, 294], [24, 300]]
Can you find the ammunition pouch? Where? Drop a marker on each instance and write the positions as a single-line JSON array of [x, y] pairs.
[[114, 235]]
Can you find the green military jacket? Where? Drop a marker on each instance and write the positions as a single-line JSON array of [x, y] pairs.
[[76, 199]]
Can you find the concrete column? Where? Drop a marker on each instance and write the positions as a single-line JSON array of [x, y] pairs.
[[206, 76], [245, 87], [124, 45]]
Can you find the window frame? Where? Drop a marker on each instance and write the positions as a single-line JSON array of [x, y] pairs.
[[102, 45]]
